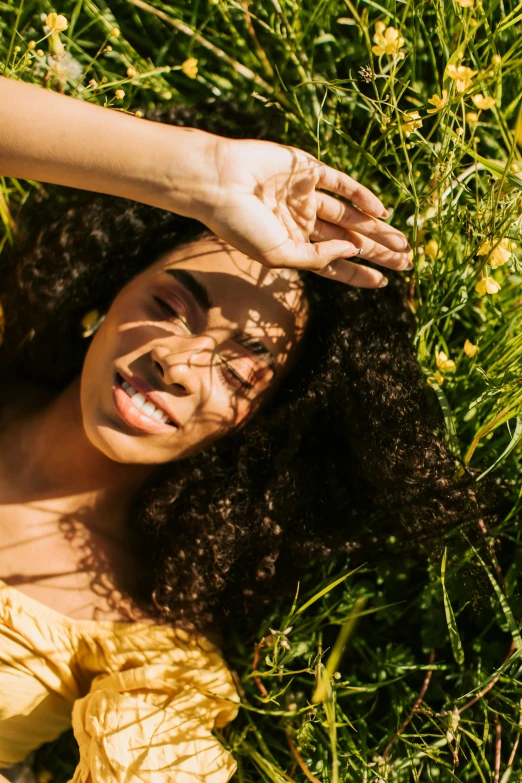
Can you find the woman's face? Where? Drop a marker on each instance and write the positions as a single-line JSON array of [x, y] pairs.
[[202, 337]]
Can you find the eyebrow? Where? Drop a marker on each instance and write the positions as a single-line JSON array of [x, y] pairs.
[[204, 300]]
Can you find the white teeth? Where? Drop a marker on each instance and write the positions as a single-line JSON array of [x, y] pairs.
[[143, 404], [138, 399]]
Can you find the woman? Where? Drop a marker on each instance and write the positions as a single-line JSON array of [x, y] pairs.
[[224, 416]]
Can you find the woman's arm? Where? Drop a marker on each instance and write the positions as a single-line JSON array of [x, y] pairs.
[[54, 138], [259, 196]]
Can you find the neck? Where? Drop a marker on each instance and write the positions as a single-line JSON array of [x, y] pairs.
[[45, 453]]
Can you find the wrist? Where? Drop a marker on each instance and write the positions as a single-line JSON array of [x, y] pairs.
[[187, 180]]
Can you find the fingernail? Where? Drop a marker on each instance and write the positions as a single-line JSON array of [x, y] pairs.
[[385, 214], [383, 283], [351, 250]]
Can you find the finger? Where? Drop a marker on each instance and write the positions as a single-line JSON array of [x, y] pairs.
[[307, 256], [344, 185], [356, 275], [369, 249], [342, 214]]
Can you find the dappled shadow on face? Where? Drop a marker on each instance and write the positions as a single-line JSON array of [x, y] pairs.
[[227, 344]]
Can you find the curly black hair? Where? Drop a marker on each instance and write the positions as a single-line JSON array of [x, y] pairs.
[[350, 448]]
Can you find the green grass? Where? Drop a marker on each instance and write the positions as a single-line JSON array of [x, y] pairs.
[[399, 672]]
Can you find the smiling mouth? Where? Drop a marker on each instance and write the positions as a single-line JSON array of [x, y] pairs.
[[145, 406]]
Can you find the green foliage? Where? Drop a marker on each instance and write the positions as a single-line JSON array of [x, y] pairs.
[[399, 672]]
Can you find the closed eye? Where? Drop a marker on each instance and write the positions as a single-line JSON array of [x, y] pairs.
[[166, 307], [231, 377]]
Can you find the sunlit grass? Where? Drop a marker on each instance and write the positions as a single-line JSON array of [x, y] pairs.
[[419, 685]]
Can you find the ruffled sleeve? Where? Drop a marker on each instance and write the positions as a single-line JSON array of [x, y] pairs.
[[153, 724]]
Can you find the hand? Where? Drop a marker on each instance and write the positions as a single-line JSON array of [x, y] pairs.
[[265, 203]]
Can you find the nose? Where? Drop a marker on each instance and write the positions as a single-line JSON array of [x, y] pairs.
[[178, 369]]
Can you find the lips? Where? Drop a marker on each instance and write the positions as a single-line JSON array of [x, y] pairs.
[[131, 414]]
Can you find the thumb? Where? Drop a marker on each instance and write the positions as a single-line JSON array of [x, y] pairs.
[[307, 256]]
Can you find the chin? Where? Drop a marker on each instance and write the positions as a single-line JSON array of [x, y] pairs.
[[120, 447]]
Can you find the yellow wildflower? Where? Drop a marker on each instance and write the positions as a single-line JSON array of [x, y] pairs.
[[131, 72], [438, 377], [190, 67], [439, 103], [443, 363], [56, 23], [31, 45], [502, 252], [119, 95], [487, 286], [413, 122], [90, 322], [462, 76], [138, 114], [465, 3], [472, 117], [388, 40], [115, 32], [470, 349], [431, 248], [482, 102], [496, 59]]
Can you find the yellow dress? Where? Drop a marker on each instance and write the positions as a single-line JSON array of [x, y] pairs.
[[142, 699]]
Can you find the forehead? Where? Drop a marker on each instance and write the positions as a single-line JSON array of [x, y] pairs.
[[245, 295]]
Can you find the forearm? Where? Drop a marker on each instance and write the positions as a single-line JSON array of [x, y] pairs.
[[48, 137]]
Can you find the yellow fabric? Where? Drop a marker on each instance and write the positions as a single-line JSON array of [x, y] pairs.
[[142, 699]]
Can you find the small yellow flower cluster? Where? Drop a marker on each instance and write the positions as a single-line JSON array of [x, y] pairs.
[[461, 75], [413, 122], [131, 72], [501, 253], [487, 286], [431, 249], [119, 95], [439, 103], [56, 23], [470, 349], [190, 67], [482, 102], [388, 40], [443, 363]]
